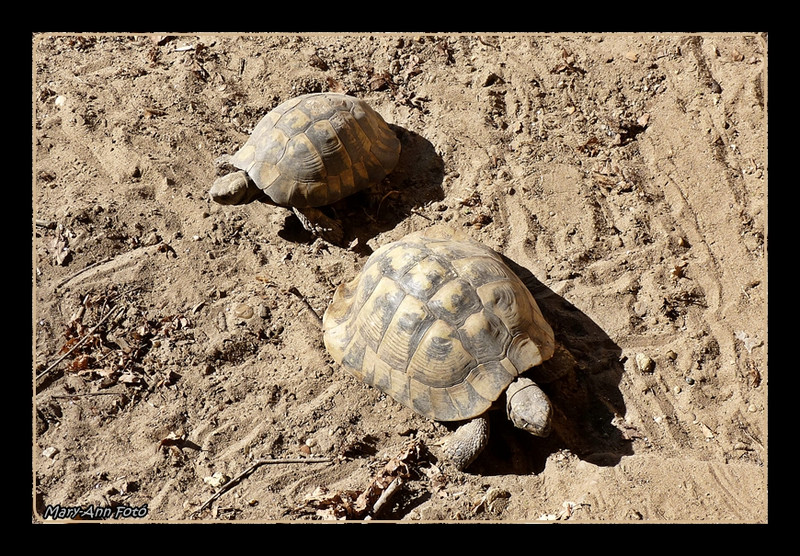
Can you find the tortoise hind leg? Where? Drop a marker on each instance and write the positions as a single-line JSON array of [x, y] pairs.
[[320, 224], [467, 442]]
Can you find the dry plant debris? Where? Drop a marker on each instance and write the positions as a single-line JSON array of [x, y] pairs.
[[368, 503], [112, 350]]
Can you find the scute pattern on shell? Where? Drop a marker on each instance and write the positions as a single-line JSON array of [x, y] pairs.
[[439, 323], [316, 149]]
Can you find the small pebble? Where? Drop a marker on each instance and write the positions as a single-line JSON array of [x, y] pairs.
[[707, 432], [208, 369], [151, 239], [216, 480], [244, 311], [645, 363]]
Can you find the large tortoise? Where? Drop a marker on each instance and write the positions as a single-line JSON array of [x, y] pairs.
[[441, 324], [311, 151]]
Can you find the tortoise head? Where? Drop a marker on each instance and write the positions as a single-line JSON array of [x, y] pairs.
[[235, 188], [528, 407]]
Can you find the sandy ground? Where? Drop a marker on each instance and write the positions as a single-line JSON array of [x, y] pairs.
[[177, 378]]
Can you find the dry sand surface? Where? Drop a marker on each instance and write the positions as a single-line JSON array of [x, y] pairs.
[[178, 378]]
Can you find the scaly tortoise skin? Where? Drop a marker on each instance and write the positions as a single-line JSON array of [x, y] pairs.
[[442, 325], [311, 151]]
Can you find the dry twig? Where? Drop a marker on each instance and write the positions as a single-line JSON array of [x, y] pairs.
[[385, 496], [296, 292], [244, 474], [81, 271], [117, 310]]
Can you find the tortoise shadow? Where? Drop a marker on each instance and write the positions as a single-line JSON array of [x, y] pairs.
[[586, 399], [415, 181]]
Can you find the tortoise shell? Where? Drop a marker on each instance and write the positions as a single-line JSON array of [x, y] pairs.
[[316, 149], [439, 323]]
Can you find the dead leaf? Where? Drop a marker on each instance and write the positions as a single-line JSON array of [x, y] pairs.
[[80, 363], [153, 112], [173, 439], [130, 378], [59, 246], [351, 504], [316, 62], [678, 270]]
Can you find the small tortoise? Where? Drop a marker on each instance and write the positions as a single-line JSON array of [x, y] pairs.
[[311, 151], [441, 324]]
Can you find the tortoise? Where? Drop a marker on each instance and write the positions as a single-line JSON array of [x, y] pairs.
[[311, 151], [441, 324]]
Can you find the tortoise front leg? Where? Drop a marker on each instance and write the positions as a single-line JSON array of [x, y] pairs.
[[320, 224], [467, 442]]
